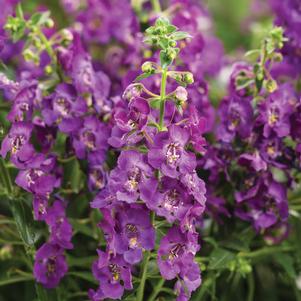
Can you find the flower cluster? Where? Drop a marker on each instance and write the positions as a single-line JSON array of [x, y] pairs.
[[155, 176]]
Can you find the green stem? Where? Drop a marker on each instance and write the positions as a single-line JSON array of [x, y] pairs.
[[251, 287], [266, 251], [156, 6], [6, 177], [162, 97], [140, 291], [156, 290]]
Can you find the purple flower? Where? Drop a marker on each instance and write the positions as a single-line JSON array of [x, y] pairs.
[[131, 176], [168, 152], [91, 141], [236, 116], [275, 112], [64, 107], [17, 142], [104, 199], [60, 228], [50, 265], [40, 207], [97, 178], [129, 231], [264, 204], [36, 178], [27, 96], [253, 160], [130, 122], [113, 274], [197, 126]]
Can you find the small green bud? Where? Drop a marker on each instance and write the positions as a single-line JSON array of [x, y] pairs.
[[277, 57], [28, 55], [188, 78], [6, 252], [147, 67], [37, 43], [171, 54], [172, 43], [271, 85], [181, 94], [49, 23], [67, 35], [48, 69]]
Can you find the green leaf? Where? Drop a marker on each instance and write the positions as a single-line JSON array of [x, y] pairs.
[[220, 258], [143, 76], [180, 35], [24, 221], [253, 54], [19, 12], [287, 263], [15, 279], [84, 275], [164, 59], [40, 18], [73, 176], [155, 103]]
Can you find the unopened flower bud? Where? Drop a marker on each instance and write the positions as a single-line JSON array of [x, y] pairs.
[[147, 67], [181, 94], [48, 69], [271, 85], [188, 78], [28, 55], [49, 23], [133, 90]]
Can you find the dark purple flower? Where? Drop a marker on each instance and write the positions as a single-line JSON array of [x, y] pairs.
[[129, 231], [254, 161], [276, 110], [60, 228], [97, 178], [131, 177], [17, 142], [113, 274], [176, 251], [40, 207], [36, 177], [64, 108], [50, 265], [168, 152], [236, 116], [91, 141]]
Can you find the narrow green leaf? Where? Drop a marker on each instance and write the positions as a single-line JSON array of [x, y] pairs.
[[220, 258]]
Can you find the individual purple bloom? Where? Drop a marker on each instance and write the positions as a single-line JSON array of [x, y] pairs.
[[91, 141], [50, 265], [9, 87], [216, 207], [168, 152], [132, 231], [97, 177], [190, 280], [104, 199], [236, 116], [113, 274], [131, 176], [17, 143], [254, 161], [60, 228], [27, 96], [64, 107], [171, 200], [197, 126], [36, 178], [266, 205], [40, 207], [120, 24], [242, 78], [130, 122], [45, 134], [195, 187], [275, 112], [176, 251]]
